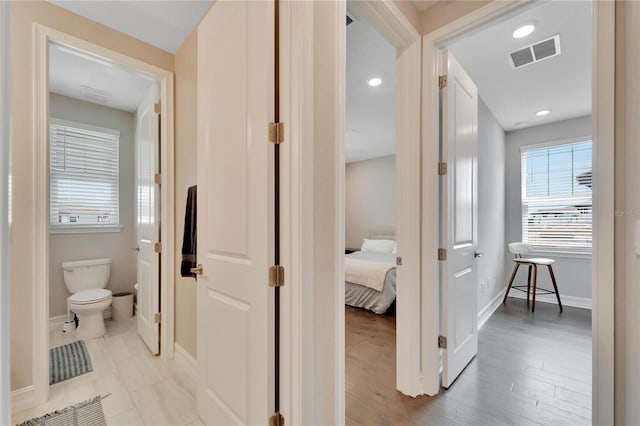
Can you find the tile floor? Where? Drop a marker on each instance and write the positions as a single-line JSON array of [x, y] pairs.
[[145, 390]]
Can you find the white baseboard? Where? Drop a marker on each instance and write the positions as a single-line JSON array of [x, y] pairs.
[[184, 358], [576, 302], [57, 321], [487, 311], [22, 399]]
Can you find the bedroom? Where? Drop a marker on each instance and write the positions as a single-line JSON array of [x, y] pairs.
[[509, 131]]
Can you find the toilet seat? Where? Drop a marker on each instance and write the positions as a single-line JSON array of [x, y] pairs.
[[87, 297]]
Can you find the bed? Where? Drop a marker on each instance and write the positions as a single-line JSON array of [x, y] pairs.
[[375, 296]]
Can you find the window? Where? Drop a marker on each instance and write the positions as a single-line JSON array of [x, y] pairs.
[[83, 176], [556, 197]]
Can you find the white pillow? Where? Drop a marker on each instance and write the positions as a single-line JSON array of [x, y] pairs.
[[377, 246]]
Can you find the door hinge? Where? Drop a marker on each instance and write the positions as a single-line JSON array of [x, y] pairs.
[[442, 342], [157, 178], [276, 420], [442, 168], [157, 247], [276, 276], [276, 133], [399, 261], [157, 108], [157, 317], [442, 254], [442, 81]]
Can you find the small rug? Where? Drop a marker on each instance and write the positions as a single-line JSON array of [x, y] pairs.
[[68, 361], [86, 413]]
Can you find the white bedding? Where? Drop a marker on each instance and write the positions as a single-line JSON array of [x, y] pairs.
[[369, 273], [364, 297]]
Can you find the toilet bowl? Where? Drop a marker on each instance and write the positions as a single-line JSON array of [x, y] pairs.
[[86, 281]]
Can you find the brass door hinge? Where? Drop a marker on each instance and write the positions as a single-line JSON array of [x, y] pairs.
[[442, 342], [276, 276], [157, 178], [157, 317], [157, 108], [276, 420], [442, 81], [442, 168], [157, 247], [276, 133], [442, 254]]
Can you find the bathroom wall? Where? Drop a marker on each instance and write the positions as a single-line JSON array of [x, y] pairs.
[[114, 245]]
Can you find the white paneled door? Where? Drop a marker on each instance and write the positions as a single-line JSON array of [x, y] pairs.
[[147, 220], [459, 129], [235, 213]]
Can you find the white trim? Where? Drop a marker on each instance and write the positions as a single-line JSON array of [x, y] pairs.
[[84, 126], [554, 143], [22, 399], [576, 302], [603, 130], [486, 312], [387, 19], [88, 229], [186, 360], [40, 285], [57, 322], [5, 143]]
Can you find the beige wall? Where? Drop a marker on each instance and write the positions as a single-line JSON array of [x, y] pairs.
[[447, 11], [186, 175], [410, 12], [370, 197], [113, 245], [25, 14]]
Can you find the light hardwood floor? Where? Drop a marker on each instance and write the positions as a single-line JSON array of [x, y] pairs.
[[144, 389], [531, 369]]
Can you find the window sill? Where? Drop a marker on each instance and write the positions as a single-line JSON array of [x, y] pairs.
[[561, 254], [100, 229]]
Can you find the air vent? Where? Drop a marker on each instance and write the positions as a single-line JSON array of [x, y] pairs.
[[535, 52], [94, 95], [349, 20]]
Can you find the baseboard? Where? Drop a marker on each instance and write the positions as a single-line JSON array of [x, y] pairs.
[[487, 311], [57, 321], [576, 302], [184, 358], [22, 399]]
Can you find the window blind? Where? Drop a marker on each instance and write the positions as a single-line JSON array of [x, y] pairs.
[[84, 186], [556, 197]]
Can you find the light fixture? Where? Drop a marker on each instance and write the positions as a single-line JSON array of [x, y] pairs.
[[524, 31], [543, 112], [374, 82], [521, 124]]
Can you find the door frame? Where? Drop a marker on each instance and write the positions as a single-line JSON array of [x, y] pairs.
[[40, 283], [603, 130]]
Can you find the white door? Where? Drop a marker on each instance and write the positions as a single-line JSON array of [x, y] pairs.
[[148, 220], [235, 213], [459, 129]]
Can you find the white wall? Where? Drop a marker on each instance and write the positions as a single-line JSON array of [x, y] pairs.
[[370, 197], [115, 245], [491, 207], [573, 274]]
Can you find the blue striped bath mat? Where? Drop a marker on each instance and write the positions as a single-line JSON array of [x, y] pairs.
[[68, 361], [86, 413]]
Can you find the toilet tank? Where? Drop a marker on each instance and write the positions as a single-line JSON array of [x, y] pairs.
[[89, 274]]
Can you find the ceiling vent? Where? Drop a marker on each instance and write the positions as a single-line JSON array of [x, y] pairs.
[[535, 52], [94, 95]]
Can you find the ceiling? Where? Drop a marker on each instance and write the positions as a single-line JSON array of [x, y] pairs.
[[164, 24], [422, 5], [370, 111], [69, 70], [561, 84]]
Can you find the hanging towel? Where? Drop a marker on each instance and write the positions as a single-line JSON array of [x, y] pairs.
[[189, 240]]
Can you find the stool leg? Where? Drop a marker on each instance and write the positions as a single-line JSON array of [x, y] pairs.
[[555, 286], [533, 295], [513, 275], [529, 284]]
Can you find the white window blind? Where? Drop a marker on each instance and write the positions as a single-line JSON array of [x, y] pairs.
[[83, 175], [556, 197]]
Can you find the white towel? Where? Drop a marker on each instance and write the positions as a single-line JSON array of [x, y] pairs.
[[367, 273]]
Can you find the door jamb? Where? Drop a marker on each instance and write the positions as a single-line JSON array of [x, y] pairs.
[[40, 283], [603, 249]]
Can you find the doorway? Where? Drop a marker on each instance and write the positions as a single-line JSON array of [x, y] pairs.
[[61, 216]]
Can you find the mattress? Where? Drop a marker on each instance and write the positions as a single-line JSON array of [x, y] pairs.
[[364, 297]]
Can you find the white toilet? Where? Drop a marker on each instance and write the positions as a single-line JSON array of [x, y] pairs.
[[86, 281]]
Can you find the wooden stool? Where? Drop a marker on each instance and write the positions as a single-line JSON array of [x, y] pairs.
[[518, 249]]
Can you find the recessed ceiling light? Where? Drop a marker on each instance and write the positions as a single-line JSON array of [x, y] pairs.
[[543, 112], [375, 82], [521, 124], [524, 31]]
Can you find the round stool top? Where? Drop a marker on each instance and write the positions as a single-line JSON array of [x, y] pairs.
[[535, 261]]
